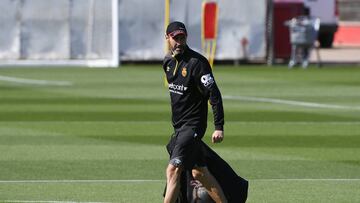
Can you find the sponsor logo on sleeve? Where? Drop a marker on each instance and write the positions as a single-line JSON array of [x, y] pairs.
[[207, 80]]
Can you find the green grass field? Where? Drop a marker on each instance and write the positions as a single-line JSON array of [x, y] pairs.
[[98, 135]]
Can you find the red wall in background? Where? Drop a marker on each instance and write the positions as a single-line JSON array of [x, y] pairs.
[[348, 34], [283, 11]]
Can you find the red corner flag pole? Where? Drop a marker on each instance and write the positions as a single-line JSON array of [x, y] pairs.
[[209, 29]]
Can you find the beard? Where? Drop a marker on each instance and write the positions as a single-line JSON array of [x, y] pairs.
[[178, 50]]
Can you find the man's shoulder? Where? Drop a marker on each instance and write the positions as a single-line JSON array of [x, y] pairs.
[[196, 57]]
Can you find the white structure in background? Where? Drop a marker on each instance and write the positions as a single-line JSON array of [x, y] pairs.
[[141, 28], [59, 32], [104, 32]]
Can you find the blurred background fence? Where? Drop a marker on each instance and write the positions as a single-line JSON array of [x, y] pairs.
[[105, 32], [56, 32]]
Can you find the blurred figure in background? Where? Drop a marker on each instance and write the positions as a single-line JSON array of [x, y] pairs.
[[303, 35]]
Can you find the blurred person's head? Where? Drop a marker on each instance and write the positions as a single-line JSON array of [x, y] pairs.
[[306, 11]]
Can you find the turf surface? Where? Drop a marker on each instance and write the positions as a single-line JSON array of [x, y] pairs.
[[100, 136]]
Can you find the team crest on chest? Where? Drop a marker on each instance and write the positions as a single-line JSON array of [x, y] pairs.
[[184, 72]]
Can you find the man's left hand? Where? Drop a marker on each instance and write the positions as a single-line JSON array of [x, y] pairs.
[[217, 136]]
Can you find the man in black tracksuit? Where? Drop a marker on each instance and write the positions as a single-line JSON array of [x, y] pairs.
[[191, 86]]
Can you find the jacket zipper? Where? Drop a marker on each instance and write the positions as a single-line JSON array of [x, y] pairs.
[[176, 65]]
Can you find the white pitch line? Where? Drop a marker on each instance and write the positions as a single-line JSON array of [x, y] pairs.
[[39, 201], [233, 122], [145, 181], [79, 181], [308, 179], [34, 82], [289, 102]]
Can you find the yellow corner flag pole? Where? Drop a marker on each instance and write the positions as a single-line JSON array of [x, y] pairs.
[[166, 23]]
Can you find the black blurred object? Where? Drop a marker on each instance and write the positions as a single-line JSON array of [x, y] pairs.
[[234, 187]]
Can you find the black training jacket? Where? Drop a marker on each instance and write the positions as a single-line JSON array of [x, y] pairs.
[[191, 86]]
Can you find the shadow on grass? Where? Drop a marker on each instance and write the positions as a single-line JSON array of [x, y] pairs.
[[254, 141]]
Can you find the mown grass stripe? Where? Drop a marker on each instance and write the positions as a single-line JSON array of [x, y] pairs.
[[163, 181], [290, 102]]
